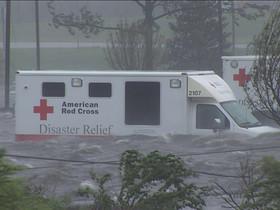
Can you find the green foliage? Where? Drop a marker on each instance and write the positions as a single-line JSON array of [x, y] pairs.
[[124, 49], [102, 201], [267, 190], [14, 194], [263, 89], [195, 44], [197, 33], [260, 186], [158, 182], [199, 38], [6, 169], [10, 189], [153, 181], [93, 23]]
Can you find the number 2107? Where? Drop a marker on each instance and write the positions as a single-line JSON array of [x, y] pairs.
[[194, 92]]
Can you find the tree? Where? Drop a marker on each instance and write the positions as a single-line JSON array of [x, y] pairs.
[[90, 23], [152, 181], [259, 186], [195, 44], [199, 37], [125, 49], [263, 90]]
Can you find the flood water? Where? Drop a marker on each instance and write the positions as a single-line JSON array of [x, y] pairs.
[[215, 158]]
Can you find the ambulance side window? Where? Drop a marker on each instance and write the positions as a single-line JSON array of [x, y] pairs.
[[100, 89], [53, 89], [142, 103], [210, 117]]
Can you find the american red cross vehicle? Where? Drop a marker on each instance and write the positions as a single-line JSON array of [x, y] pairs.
[[236, 72], [114, 103]]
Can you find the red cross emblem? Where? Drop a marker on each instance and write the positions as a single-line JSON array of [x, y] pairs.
[[43, 109], [241, 77]]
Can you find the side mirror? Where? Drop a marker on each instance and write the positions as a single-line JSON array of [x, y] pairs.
[[217, 124], [218, 121]]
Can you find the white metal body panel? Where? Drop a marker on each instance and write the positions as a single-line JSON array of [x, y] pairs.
[[209, 86], [110, 119]]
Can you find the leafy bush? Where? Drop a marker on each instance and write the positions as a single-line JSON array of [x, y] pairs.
[[153, 181], [259, 186], [15, 194]]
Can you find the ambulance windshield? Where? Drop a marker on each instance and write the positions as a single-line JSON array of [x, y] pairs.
[[240, 114]]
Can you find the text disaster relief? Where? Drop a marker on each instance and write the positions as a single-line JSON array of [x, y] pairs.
[[68, 108]]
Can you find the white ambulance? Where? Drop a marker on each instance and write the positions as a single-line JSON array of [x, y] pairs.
[[117, 103], [236, 72]]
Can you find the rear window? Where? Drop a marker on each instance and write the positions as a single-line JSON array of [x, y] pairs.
[[53, 89]]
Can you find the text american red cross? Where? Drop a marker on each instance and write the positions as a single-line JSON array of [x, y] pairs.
[[242, 77], [43, 109]]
